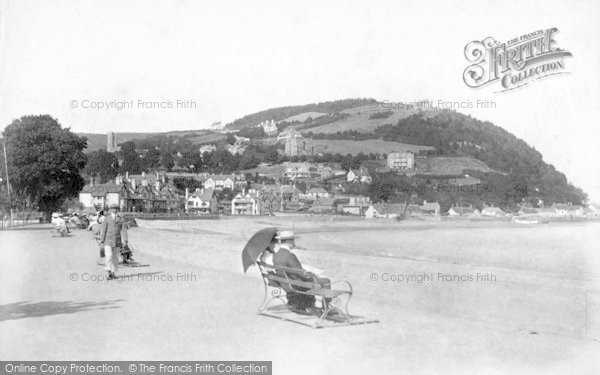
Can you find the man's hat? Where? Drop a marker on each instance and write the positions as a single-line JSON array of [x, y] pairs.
[[114, 205], [54, 214], [285, 235]]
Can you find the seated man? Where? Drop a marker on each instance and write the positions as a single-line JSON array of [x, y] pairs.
[[59, 224], [283, 256]]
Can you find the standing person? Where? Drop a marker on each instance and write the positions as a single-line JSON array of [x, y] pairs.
[[112, 236], [96, 232]]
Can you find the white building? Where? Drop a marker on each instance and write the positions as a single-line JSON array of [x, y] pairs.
[[207, 148], [217, 126], [202, 200], [401, 160], [269, 127], [245, 204], [219, 182]]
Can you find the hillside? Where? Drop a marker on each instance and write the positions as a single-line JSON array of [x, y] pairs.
[[460, 142], [282, 113], [197, 137], [367, 146]]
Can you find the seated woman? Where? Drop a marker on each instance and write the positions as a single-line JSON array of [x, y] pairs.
[[283, 256]]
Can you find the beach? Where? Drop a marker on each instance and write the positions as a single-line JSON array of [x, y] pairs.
[[451, 297]]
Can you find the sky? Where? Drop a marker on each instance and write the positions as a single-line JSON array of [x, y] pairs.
[[226, 59]]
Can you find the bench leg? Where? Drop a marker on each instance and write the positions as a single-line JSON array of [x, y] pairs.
[[338, 303], [273, 294]]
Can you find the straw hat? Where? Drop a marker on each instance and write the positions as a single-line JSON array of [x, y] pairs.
[[285, 235]]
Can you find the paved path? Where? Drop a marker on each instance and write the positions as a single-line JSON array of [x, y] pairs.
[[150, 314]]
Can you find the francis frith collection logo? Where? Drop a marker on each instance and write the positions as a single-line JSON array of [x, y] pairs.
[[515, 63]]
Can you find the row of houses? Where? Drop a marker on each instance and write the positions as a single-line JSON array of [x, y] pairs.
[[133, 193]]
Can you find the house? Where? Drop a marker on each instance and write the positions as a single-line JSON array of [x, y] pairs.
[[236, 148], [464, 181], [225, 206], [207, 148], [217, 126], [103, 195], [492, 212], [567, 210], [431, 208], [413, 210], [385, 210], [360, 176], [269, 127], [323, 205], [202, 201], [463, 211], [288, 134], [527, 210], [353, 204], [219, 182], [246, 203], [316, 193], [277, 198], [297, 172], [401, 160]]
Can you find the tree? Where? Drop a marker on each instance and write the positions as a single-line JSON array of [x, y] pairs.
[[192, 160], [44, 161], [152, 159], [230, 139], [131, 159], [102, 164], [167, 161]]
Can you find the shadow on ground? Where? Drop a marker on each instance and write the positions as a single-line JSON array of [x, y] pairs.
[[26, 309]]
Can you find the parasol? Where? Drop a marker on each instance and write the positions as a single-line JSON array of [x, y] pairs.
[[256, 245]]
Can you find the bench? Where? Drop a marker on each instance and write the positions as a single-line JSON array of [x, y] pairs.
[[333, 300]]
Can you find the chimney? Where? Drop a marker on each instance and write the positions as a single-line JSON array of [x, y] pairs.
[[143, 174], [187, 194], [127, 175]]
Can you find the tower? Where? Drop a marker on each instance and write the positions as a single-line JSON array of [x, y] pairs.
[[111, 142]]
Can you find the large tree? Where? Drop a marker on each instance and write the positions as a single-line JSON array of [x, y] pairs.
[[102, 164], [131, 159], [44, 161]]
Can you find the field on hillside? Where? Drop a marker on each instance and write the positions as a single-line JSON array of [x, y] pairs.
[[359, 120], [367, 146], [303, 116], [443, 165]]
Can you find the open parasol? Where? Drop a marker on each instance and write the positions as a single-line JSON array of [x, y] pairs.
[[256, 245]]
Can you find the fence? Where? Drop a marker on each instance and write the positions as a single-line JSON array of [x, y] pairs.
[[171, 216]]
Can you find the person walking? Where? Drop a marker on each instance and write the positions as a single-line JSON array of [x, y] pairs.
[[113, 236], [96, 232]]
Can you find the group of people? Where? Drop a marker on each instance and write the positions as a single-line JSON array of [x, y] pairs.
[[110, 232], [279, 253]]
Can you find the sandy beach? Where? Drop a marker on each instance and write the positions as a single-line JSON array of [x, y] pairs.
[[451, 297]]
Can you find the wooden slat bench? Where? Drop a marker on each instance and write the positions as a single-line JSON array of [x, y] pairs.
[[334, 300]]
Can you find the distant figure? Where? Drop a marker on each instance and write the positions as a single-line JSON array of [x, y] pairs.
[[113, 236], [96, 227], [60, 225], [283, 256]]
